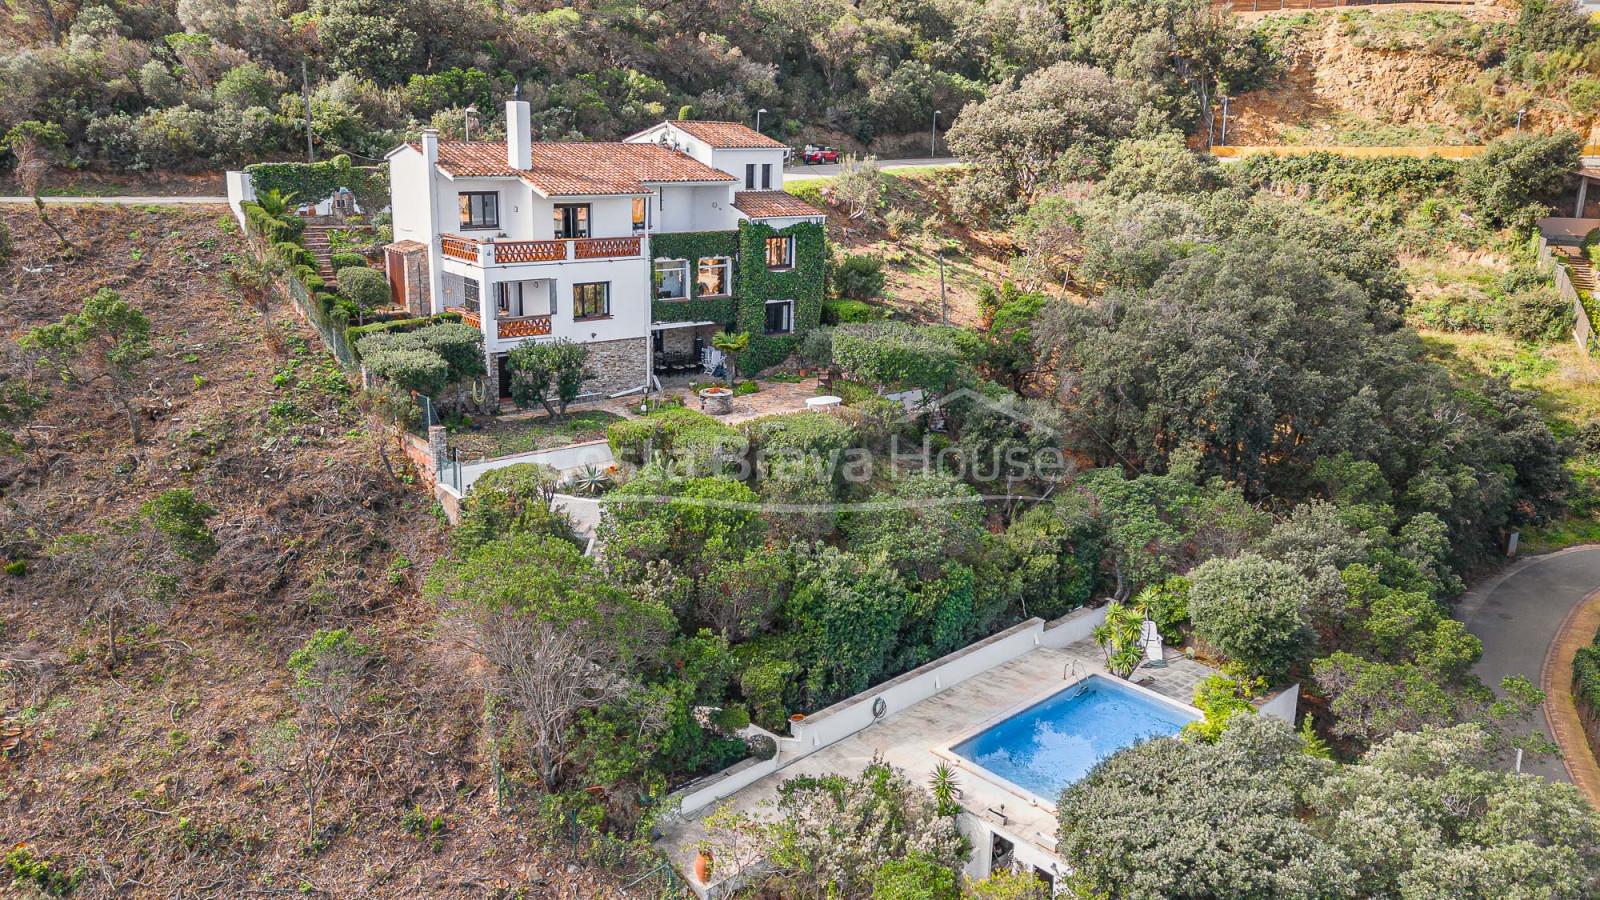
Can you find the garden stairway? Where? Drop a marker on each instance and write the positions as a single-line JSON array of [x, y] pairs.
[[316, 238], [1578, 267]]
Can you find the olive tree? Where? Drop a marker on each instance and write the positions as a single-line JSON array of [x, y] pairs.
[[107, 343]]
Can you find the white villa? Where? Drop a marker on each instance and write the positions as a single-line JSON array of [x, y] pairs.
[[641, 249]]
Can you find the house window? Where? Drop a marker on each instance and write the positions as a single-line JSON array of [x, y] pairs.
[[749, 176], [571, 220], [780, 316], [639, 207], [510, 300], [766, 176], [591, 300], [672, 279], [713, 276], [780, 252], [469, 293], [479, 209]]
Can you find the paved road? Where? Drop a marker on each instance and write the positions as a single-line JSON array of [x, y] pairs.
[[130, 201], [1517, 614], [802, 172]]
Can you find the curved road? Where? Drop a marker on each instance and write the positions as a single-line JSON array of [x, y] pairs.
[[1518, 615]]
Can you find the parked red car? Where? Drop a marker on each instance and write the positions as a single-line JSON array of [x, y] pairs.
[[813, 155]]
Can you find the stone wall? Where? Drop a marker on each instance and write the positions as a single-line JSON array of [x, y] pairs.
[[619, 365]]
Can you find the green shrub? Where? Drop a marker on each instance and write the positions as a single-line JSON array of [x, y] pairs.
[[816, 348], [662, 431], [843, 312], [1586, 679], [182, 516], [731, 719], [767, 674], [860, 277], [367, 288], [746, 388], [397, 326], [311, 281], [853, 393], [422, 371], [508, 501], [1252, 610], [782, 442], [348, 261]]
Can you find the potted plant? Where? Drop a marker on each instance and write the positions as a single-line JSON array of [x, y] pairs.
[[716, 400], [702, 863]]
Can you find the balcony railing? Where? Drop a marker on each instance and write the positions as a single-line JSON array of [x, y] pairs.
[[467, 316], [488, 253], [523, 326]]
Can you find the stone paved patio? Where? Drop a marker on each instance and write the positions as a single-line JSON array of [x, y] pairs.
[[1177, 681]]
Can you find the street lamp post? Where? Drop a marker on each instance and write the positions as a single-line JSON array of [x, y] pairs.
[[1520, 113], [944, 316], [758, 118], [933, 138], [466, 120], [1224, 120]]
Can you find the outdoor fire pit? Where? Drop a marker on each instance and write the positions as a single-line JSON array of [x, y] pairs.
[[716, 401]]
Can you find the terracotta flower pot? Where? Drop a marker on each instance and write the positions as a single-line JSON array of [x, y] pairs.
[[702, 867]]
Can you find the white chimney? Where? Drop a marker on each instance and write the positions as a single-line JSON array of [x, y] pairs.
[[430, 146], [519, 134]]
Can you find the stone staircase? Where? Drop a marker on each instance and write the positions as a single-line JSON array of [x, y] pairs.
[[1578, 267], [316, 238]]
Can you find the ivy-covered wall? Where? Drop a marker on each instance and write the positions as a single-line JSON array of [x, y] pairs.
[[313, 182], [756, 284], [694, 245], [753, 284]]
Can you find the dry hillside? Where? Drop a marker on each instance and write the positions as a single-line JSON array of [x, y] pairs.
[[178, 770]]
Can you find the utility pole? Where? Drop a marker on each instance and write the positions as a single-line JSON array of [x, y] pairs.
[[305, 92]]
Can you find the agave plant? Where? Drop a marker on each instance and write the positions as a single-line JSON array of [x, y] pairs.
[[591, 481]]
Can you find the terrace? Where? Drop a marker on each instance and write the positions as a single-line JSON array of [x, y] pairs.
[[924, 713], [490, 252]]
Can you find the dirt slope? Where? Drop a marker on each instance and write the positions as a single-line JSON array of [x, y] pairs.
[[168, 775]]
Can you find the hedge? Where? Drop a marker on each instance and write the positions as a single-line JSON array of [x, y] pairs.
[[355, 334], [838, 311], [347, 261], [314, 182], [1586, 680], [663, 431]]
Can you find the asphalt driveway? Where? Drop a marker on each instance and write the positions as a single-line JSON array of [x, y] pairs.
[[1517, 615]]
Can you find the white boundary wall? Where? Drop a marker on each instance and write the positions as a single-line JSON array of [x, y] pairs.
[[241, 187]]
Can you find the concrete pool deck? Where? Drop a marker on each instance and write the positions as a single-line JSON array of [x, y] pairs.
[[908, 738]]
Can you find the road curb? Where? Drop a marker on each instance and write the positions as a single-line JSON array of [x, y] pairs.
[[1560, 707]]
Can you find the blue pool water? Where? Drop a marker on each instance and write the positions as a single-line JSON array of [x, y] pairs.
[[1058, 740]]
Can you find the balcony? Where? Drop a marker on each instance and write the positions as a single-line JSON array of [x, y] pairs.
[[491, 252], [509, 328]]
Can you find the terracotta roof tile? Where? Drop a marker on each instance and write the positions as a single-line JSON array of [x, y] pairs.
[[772, 204], [570, 168], [730, 136]]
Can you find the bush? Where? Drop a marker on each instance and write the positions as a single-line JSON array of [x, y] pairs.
[[661, 431], [1586, 680], [409, 369], [859, 277], [1535, 314], [783, 443], [509, 501], [367, 288], [1512, 179], [348, 261], [182, 516], [1253, 611], [891, 354], [843, 312], [816, 348]]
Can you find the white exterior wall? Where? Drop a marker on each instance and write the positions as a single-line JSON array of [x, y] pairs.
[[630, 293], [408, 196], [514, 201], [734, 161]]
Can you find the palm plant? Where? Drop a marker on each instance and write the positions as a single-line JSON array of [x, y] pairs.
[[944, 785], [1118, 638], [731, 345], [274, 202]]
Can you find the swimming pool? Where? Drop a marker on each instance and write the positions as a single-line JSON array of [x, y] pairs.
[[1056, 741]]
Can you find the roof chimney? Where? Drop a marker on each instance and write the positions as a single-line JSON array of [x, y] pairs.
[[519, 134], [430, 146]]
